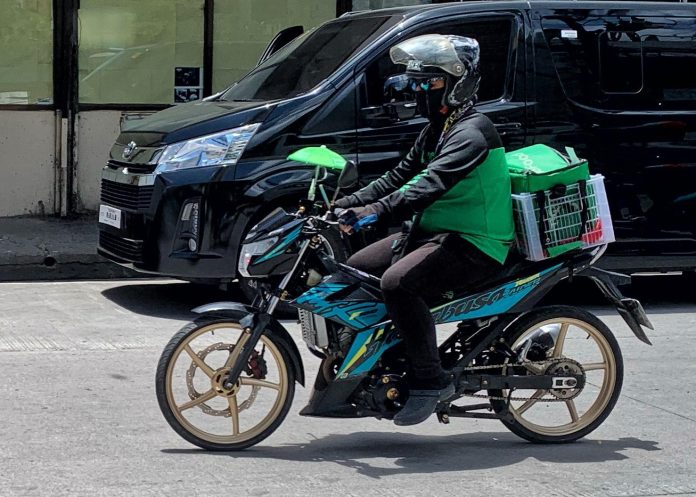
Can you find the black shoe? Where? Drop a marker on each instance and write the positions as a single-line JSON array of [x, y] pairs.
[[421, 404]]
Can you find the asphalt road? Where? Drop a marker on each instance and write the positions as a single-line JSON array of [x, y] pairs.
[[78, 415]]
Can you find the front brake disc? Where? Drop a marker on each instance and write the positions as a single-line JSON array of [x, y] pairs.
[[194, 394]]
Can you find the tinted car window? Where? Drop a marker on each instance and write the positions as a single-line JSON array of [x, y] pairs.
[[669, 60], [646, 64], [620, 62], [307, 61], [575, 51]]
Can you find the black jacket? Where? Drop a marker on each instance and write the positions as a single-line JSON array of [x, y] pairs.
[[444, 159]]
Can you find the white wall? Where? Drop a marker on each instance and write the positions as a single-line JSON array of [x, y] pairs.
[[96, 132], [27, 162]]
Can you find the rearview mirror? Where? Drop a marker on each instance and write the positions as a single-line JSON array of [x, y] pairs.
[[395, 86], [349, 175]]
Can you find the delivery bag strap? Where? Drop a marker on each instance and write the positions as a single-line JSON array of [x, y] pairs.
[[541, 203], [582, 187]]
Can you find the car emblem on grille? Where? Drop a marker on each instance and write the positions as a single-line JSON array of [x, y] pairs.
[[128, 151]]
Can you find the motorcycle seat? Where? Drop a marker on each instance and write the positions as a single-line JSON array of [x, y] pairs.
[[515, 267]]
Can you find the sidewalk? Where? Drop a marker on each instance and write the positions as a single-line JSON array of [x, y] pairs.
[[53, 249]]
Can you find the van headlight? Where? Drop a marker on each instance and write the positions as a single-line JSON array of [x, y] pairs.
[[220, 149], [249, 250]]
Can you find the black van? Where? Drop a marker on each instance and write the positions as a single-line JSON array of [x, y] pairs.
[[617, 81]]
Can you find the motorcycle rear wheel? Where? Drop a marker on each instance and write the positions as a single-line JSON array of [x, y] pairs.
[[189, 379], [543, 422]]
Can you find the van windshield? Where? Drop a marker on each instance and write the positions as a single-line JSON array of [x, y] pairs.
[[308, 60]]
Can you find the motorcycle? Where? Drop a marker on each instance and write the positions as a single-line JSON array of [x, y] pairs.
[[550, 374]]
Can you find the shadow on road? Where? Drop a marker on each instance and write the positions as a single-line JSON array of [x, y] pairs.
[[175, 300], [168, 300], [414, 454]]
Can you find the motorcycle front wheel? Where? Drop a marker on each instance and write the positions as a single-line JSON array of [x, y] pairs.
[[569, 341], [189, 385]]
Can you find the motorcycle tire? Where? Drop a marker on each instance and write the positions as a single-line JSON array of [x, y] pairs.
[[180, 347], [608, 393]]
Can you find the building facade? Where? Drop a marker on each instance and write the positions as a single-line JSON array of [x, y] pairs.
[[72, 70]]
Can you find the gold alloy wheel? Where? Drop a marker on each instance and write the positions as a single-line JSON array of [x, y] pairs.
[[576, 419], [193, 358]]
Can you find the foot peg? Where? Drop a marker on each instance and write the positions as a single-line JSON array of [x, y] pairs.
[[443, 416]]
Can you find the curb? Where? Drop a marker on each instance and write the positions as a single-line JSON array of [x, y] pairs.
[[67, 267]]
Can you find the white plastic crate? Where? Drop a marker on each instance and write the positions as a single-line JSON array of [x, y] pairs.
[[563, 220]]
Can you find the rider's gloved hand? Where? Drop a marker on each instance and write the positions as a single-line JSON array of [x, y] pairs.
[[346, 202], [350, 217]]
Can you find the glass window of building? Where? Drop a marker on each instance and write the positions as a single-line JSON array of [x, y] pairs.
[[385, 4], [26, 58], [141, 52], [243, 28]]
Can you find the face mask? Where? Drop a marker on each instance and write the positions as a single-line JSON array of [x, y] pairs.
[[429, 104]]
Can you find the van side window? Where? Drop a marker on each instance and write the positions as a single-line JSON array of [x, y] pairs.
[[648, 64], [620, 62], [493, 36], [574, 50], [669, 60]]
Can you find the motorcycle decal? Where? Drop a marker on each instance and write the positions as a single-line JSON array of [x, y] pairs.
[[489, 303], [356, 315], [289, 238], [366, 350]]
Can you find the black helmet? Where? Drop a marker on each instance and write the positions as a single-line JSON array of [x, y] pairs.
[[453, 57]]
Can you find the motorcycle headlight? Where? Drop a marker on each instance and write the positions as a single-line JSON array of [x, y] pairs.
[[249, 250], [220, 149]]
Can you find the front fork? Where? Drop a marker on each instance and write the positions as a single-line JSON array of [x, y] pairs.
[[255, 324]]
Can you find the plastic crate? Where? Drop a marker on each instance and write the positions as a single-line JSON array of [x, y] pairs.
[[563, 220]]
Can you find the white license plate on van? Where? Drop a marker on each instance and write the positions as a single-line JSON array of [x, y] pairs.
[[110, 215]]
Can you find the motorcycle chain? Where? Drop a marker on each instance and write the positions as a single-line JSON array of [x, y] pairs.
[[546, 363]]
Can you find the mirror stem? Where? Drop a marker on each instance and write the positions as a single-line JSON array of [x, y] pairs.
[[325, 196], [313, 186]]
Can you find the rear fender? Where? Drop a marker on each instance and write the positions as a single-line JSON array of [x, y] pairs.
[[246, 315], [630, 310]]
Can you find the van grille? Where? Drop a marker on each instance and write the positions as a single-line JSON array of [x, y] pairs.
[[128, 250], [133, 168], [131, 197]]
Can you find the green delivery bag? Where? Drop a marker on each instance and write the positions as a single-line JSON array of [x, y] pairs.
[[540, 167], [556, 186]]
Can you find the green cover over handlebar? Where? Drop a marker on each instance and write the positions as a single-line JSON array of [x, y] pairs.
[[319, 156]]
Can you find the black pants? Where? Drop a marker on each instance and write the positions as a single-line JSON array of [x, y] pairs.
[[417, 281]]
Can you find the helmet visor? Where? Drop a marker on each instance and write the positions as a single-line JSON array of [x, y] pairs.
[[433, 51]]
